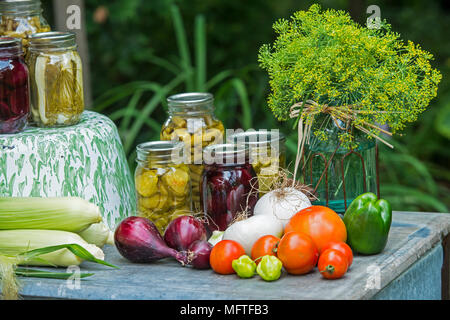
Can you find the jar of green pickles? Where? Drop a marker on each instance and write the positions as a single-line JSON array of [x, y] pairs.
[[191, 120], [21, 18], [267, 153], [56, 79], [162, 180]]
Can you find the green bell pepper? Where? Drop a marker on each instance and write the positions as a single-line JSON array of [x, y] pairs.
[[269, 268], [244, 266], [368, 221]]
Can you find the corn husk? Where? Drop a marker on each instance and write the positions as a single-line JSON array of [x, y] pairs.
[[15, 242], [97, 233], [64, 213]]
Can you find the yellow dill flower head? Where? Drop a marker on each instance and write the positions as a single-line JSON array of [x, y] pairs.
[[325, 56]]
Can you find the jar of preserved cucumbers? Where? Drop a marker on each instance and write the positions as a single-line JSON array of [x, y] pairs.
[[163, 184], [14, 87], [267, 154], [21, 18], [191, 120], [229, 185], [56, 79]]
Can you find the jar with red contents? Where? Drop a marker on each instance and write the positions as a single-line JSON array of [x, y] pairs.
[[229, 185], [14, 87]]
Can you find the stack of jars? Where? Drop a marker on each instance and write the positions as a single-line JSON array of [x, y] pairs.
[[224, 178], [40, 71]]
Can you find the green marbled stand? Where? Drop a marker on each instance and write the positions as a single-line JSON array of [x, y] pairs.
[[85, 160]]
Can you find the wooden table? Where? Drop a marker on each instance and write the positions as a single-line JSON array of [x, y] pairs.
[[414, 265]]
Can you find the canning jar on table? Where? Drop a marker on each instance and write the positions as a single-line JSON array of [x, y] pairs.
[[22, 18], [267, 154], [229, 185], [163, 184], [14, 86], [56, 79], [191, 120]]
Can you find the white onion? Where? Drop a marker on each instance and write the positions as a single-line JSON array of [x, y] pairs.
[[247, 231], [282, 204]]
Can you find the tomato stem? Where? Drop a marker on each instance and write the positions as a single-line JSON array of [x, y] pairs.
[[275, 247], [329, 269]]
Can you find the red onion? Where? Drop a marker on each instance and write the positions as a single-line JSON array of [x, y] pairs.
[[138, 240], [183, 231], [200, 250]]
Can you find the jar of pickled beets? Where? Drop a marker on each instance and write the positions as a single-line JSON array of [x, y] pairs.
[[229, 185], [14, 86]]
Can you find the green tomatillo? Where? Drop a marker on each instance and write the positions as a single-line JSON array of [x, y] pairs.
[[269, 268], [368, 221], [244, 266]]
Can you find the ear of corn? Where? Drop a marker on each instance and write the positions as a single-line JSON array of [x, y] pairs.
[[64, 213], [97, 233], [14, 242]]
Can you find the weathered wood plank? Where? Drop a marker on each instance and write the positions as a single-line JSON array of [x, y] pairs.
[[446, 269], [421, 281], [412, 236]]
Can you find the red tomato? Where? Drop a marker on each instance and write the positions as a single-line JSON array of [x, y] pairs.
[[266, 245], [223, 254], [342, 247], [321, 223], [297, 252], [332, 264]]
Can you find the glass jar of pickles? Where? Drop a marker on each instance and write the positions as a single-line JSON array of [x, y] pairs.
[[267, 154], [14, 88], [21, 18], [56, 79], [162, 180], [228, 185], [191, 120]]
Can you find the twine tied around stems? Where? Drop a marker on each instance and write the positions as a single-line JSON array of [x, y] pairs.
[[339, 114]]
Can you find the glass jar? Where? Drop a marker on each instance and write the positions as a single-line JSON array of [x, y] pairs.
[[163, 184], [21, 18], [191, 120], [14, 87], [350, 172], [228, 186], [267, 154], [56, 79]]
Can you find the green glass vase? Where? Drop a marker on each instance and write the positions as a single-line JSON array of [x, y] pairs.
[[339, 174]]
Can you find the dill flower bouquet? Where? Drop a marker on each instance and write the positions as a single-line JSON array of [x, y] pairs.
[[325, 68]]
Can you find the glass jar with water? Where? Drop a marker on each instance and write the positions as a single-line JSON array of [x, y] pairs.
[[339, 173]]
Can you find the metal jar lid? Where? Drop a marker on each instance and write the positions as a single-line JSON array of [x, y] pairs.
[[164, 151], [10, 46], [52, 40], [190, 99], [257, 138], [226, 153]]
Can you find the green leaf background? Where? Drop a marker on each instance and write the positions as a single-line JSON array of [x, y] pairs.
[[147, 50]]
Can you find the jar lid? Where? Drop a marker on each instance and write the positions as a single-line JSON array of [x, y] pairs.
[[10, 46], [52, 40], [257, 138], [166, 151], [190, 99], [225, 153]]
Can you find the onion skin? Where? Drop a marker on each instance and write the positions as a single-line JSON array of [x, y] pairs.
[[138, 240], [201, 250], [183, 231]]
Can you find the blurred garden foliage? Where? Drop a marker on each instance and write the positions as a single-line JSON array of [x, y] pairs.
[[142, 51]]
